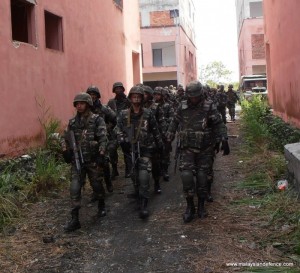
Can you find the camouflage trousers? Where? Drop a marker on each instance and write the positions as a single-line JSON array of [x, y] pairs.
[[231, 108], [94, 174], [112, 148], [141, 176], [222, 110], [195, 167]]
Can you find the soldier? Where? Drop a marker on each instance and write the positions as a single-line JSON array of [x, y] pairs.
[[194, 116], [84, 147], [232, 100], [180, 96], [137, 128], [150, 104], [222, 102], [119, 103], [110, 118], [166, 113]]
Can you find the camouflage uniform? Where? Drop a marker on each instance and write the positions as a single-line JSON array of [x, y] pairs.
[[156, 156], [110, 118], [180, 96], [139, 131], [232, 100], [166, 113], [222, 102], [198, 121], [90, 136], [119, 103]]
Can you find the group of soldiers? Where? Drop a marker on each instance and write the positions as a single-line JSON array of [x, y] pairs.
[[144, 124]]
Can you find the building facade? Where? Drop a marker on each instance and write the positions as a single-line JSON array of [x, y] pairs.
[[282, 23], [168, 42], [52, 49], [250, 27]]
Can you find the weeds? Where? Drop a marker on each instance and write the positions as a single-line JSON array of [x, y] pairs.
[[48, 176], [265, 137]]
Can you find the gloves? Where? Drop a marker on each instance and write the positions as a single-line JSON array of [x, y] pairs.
[[217, 147], [225, 147], [100, 160], [67, 155]]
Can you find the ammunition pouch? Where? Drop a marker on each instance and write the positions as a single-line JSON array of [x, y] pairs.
[[191, 139]]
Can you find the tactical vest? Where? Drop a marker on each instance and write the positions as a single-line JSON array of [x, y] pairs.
[[85, 136], [142, 132], [194, 121]]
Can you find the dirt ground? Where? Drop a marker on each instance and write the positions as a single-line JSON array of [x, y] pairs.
[[121, 242]]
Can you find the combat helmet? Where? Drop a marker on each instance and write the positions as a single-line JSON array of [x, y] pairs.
[[117, 84], [158, 90], [147, 89], [194, 89], [83, 97], [94, 89], [136, 90]]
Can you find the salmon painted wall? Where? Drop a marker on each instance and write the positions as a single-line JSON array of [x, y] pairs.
[[250, 26], [282, 25], [93, 53], [132, 43]]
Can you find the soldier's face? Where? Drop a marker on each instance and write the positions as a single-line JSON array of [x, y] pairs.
[[94, 96], [195, 100], [81, 106], [157, 97], [136, 98], [146, 97], [118, 90]]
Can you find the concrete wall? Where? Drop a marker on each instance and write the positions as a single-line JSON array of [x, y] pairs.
[[251, 46], [292, 156], [94, 46], [282, 23]]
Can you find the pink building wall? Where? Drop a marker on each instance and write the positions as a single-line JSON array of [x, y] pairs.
[[132, 34], [183, 45], [282, 23], [245, 45], [94, 52]]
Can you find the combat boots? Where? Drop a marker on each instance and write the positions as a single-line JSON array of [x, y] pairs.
[[157, 188], [144, 213], [107, 179], [74, 223], [166, 172], [101, 208], [134, 194], [209, 196], [114, 172], [188, 216], [202, 213]]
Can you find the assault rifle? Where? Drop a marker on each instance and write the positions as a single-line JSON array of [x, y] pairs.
[[135, 150], [177, 152], [77, 152]]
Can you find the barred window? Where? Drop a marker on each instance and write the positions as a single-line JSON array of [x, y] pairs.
[[119, 3]]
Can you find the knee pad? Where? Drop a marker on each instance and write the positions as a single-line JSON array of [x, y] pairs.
[[187, 176]]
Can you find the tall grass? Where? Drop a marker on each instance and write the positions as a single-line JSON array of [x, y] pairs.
[[265, 137]]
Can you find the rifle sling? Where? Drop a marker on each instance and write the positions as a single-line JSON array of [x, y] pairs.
[[134, 139]]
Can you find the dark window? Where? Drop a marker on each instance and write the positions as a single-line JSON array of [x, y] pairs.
[[22, 21], [157, 57], [256, 9], [174, 13], [53, 31], [119, 3]]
